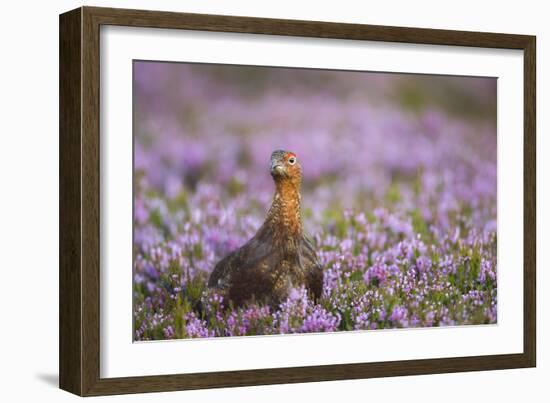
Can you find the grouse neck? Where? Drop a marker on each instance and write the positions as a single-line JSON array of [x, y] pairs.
[[285, 212]]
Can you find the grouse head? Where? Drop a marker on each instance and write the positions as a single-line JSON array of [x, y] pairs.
[[285, 168]]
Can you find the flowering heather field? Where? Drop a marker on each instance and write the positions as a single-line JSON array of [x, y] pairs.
[[399, 196]]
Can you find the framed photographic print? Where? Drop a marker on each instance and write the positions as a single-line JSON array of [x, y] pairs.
[[250, 201]]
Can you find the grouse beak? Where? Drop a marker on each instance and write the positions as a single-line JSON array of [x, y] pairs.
[[277, 169]]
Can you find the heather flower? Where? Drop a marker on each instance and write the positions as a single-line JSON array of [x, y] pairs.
[[319, 320], [399, 316], [196, 328]]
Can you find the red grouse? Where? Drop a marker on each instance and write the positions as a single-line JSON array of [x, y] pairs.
[[279, 257]]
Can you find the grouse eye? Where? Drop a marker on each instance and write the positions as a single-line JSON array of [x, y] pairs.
[[292, 160]]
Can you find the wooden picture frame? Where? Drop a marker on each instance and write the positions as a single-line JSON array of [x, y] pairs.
[[79, 349]]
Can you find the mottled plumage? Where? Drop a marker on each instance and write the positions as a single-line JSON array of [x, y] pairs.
[[280, 256]]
